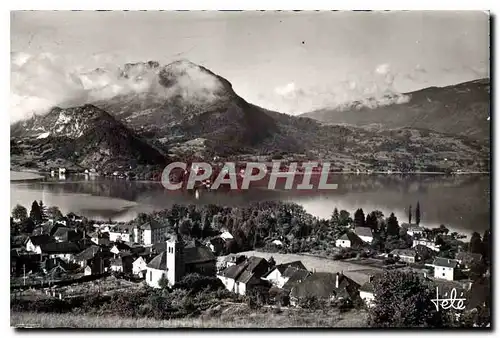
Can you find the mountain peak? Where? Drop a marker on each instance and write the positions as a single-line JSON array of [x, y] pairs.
[[192, 81]]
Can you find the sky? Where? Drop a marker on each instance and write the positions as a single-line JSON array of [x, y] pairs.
[[292, 62]]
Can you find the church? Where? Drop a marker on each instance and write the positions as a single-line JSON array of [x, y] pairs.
[[178, 260]]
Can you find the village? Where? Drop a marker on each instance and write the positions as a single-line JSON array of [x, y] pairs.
[[61, 259]]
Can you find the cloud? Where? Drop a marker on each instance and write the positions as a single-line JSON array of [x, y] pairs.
[[40, 82], [371, 90]]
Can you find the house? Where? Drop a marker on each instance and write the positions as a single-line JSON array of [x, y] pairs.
[[427, 243], [348, 240], [116, 264], [216, 244], [44, 228], [226, 235], [65, 234], [150, 233], [231, 260], [86, 255], [34, 243], [277, 242], [64, 250], [414, 230], [119, 247], [445, 268], [366, 292], [119, 235], [100, 238], [365, 233], [178, 260], [99, 264], [277, 275], [294, 276], [324, 286], [243, 277], [468, 259], [139, 267], [406, 255]]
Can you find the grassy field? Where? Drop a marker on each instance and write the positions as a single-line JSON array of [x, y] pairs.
[[312, 263], [230, 318]]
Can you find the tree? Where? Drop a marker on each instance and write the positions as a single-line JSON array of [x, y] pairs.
[[359, 218], [417, 213], [476, 244], [486, 246], [403, 300], [344, 218], [54, 213], [43, 211], [19, 212], [271, 262], [443, 229], [409, 214], [372, 221], [392, 226], [335, 219], [27, 226], [35, 213]]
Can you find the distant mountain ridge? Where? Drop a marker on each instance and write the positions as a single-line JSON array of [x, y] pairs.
[[86, 136], [190, 113], [461, 109]]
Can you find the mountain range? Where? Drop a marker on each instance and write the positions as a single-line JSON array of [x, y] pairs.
[[461, 109], [188, 112]]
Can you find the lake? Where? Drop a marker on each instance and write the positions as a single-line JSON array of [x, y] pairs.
[[461, 202]]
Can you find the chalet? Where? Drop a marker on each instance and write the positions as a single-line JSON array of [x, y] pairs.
[[294, 276], [244, 276], [365, 233], [325, 286], [150, 233], [64, 250], [428, 243], [179, 260], [34, 243], [277, 275], [406, 255], [445, 268], [467, 259], [139, 267]]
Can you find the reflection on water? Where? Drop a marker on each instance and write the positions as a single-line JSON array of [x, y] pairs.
[[460, 202]]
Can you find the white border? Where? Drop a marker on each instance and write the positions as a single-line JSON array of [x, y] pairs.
[[191, 5]]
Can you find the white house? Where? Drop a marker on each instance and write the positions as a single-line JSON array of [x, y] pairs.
[[277, 242], [414, 229], [34, 243], [123, 236], [366, 293], [149, 233], [343, 242], [281, 273], [365, 233], [445, 268], [226, 235], [245, 275], [139, 266], [406, 255], [427, 243]]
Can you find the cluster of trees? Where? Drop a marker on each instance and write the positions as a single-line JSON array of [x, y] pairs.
[[24, 222], [404, 300]]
